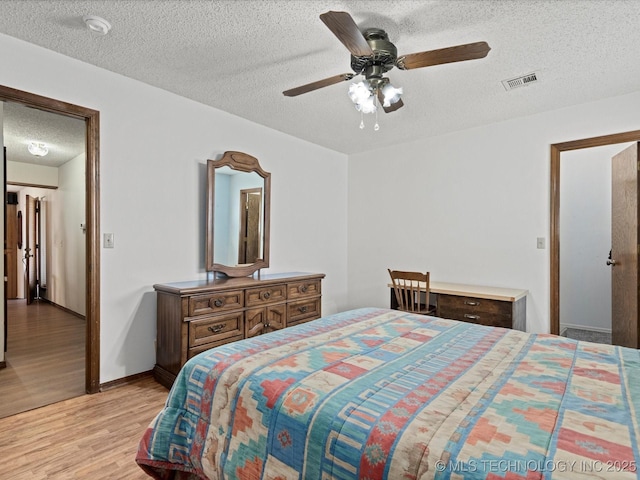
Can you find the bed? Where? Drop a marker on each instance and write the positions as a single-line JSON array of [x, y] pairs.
[[382, 394]]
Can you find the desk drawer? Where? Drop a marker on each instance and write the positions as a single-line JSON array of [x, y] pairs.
[[215, 328], [218, 302], [474, 305], [488, 319], [476, 310]]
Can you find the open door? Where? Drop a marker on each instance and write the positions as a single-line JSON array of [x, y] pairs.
[[30, 250], [624, 247]]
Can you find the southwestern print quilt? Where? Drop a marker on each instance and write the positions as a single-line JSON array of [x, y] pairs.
[[383, 394]]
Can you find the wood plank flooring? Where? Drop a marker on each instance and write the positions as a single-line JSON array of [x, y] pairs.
[[92, 436], [45, 357]]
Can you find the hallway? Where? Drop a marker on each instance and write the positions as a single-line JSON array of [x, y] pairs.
[[45, 357]]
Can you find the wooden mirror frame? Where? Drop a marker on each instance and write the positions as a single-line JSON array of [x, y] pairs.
[[244, 163]]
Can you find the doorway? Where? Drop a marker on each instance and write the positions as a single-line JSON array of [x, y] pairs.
[[586, 243], [91, 226], [250, 218], [556, 151]]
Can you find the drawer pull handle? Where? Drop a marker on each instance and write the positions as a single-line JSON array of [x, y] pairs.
[[303, 309], [216, 328], [304, 288], [266, 325], [218, 302], [471, 317], [473, 304], [266, 295]]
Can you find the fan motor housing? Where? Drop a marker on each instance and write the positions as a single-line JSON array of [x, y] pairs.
[[384, 55]]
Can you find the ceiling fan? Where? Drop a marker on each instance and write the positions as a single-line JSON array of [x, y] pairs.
[[372, 55]]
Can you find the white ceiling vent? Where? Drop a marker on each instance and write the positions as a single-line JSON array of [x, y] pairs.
[[521, 81]]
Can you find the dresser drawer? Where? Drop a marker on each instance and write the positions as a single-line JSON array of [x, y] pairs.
[[303, 310], [213, 329], [219, 302], [265, 295], [206, 346], [303, 289]]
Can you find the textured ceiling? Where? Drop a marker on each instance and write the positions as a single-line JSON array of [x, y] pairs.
[[64, 136], [239, 56]]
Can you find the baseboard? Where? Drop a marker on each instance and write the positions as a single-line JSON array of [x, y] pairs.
[[125, 380], [564, 326], [68, 310]]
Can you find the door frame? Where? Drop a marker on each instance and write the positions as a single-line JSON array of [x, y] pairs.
[[556, 150], [92, 208]]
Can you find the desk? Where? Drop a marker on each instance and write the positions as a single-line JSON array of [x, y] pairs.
[[493, 306]]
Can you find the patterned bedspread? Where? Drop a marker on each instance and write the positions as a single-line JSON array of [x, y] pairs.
[[382, 394]]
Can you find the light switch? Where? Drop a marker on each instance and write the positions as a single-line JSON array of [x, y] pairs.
[[541, 243], [107, 240]]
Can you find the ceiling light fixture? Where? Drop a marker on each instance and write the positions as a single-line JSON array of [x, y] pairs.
[[38, 149], [365, 96], [97, 24]]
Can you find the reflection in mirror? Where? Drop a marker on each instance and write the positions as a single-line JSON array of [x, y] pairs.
[[238, 193], [237, 217]]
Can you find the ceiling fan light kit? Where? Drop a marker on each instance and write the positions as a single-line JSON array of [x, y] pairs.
[[372, 55]]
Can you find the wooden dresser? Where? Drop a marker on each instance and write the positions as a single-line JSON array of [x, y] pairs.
[[196, 316]]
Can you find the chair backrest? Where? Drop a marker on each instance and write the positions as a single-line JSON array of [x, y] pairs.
[[409, 287]]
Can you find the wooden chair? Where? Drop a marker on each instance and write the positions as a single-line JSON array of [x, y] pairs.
[[412, 291]]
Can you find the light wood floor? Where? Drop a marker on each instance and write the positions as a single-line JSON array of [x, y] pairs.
[[89, 437], [45, 357]]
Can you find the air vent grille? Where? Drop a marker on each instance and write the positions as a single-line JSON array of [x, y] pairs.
[[521, 81]]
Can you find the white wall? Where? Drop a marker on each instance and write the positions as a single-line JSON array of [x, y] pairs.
[[585, 237], [468, 206], [32, 174], [153, 151]]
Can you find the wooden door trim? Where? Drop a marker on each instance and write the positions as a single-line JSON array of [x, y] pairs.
[[556, 150], [92, 207]]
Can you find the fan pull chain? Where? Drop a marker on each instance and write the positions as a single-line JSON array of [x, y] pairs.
[[376, 127], [361, 120]]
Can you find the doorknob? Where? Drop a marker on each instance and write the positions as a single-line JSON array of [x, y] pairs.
[[611, 262]]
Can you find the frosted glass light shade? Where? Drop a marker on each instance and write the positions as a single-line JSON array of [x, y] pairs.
[[38, 149]]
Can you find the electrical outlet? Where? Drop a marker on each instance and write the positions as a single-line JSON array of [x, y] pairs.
[[107, 240], [541, 243]]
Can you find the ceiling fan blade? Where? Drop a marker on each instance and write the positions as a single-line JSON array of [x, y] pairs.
[[469, 51], [344, 27], [391, 108], [309, 87]]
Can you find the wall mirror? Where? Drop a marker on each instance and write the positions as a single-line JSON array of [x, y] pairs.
[[238, 207]]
